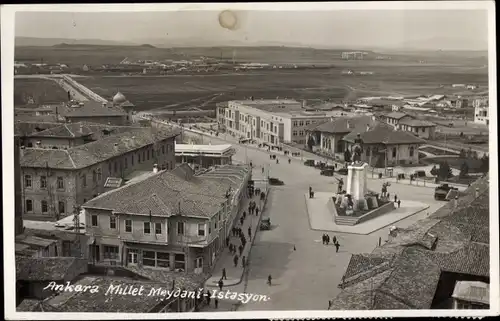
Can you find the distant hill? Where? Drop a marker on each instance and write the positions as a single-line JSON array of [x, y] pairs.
[[49, 42], [446, 44], [147, 46]]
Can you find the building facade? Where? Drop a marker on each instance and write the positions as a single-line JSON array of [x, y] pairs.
[[481, 111], [204, 156], [174, 220], [57, 181]]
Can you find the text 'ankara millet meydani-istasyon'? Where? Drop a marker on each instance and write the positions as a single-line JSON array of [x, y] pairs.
[[160, 292]]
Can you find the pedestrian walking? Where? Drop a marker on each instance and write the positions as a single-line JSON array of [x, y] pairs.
[[251, 165], [208, 297], [389, 196], [241, 249], [270, 156], [399, 203], [224, 274], [216, 302], [221, 284], [289, 161], [334, 239], [262, 169], [277, 161], [395, 198], [329, 304], [323, 238], [337, 246], [256, 211], [235, 260], [327, 239], [250, 231], [269, 279], [227, 241], [243, 261]]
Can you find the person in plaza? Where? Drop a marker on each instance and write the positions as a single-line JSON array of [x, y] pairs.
[[216, 302], [399, 203], [245, 215], [243, 261], [227, 241], [241, 249], [327, 239], [341, 185], [277, 161], [256, 211], [235, 260], [337, 246], [289, 161], [269, 279], [242, 219], [334, 239], [251, 165], [262, 169], [270, 156], [329, 304], [208, 297], [395, 198], [224, 276], [388, 196], [249, 232], [221, 284], [323, 238], [234, 230]]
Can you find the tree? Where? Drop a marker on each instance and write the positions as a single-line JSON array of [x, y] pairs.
[[434, 171], [462, 154], [464, 170], [310, 142], [485, 164], [444, 171]]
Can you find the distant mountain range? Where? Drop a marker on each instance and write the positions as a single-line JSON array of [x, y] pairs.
[[433, 44]]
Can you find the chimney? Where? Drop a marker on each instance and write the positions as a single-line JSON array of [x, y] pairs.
[[38, 144], [116, 144], [155, 168], [81, 128], [477, 192], [104, 104], [348, 124]]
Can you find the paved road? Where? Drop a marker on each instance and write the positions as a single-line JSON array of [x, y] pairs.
[[305, 278]]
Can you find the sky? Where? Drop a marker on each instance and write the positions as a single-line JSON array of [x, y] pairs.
[[364, 28]]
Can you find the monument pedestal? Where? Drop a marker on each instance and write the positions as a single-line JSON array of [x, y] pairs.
[[356, 181]]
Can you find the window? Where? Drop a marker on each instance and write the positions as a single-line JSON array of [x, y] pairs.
[[94, 176], [295, 123], [94, 220], [412, 151], [84, 178], [45, 207], [112, 222], [27, 180], [99, 175], [110, 252], [201, 229], [163, 150], [308, 122], [179, 262], [301, 123], [210, 228], [394, 152], [132, 159], [29, 206], [180, 228], [148, 154], [139, 158], [157, 228], [143, 155], [294, 133], [162, 259], [147, 228], [128, 226], [43, 181], [149, 258], [61, 207], [215, 225]]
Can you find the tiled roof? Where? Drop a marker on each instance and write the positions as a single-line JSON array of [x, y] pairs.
[[165, 192], [35, 118], [66, 130], [92, 153], [417, 123], [94, 109], [344, 125], [454, 240], [45, 269], [28, 305], [28, 127], [396, 115], [382, 134]]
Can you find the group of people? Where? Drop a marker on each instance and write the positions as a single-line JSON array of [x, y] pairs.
[[335, 242], [253, 208]]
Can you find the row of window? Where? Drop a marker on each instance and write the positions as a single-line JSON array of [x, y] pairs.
[[300, 133], [301, 123], [28, 182], [61, 206], [157, 226]]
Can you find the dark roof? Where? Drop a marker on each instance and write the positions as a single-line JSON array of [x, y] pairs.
[[343, 125], [396, 115], [94, 109], [92, 153], [382, 134], [28, 127], [417, 123], [162, 194], [46, 268], [29, 305], [404, 272], [65, 131]]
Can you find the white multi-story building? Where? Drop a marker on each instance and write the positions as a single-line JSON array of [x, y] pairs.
[[481, 107], [270, 122]]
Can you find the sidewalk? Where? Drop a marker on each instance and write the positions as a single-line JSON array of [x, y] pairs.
[[235, 274]]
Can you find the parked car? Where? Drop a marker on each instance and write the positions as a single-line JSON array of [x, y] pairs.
[[327, 172], [309, 162], [419, 174], [275, 181], [265, 224], [442, 191]]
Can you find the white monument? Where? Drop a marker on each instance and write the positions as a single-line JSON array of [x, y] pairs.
[[356, 184]]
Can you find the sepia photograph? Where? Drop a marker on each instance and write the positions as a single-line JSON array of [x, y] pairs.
[[250, 160]]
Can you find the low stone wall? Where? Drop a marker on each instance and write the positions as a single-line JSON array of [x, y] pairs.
[[351, 220], [384, 209]]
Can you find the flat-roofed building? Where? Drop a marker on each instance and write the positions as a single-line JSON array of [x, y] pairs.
[[204, 156]]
